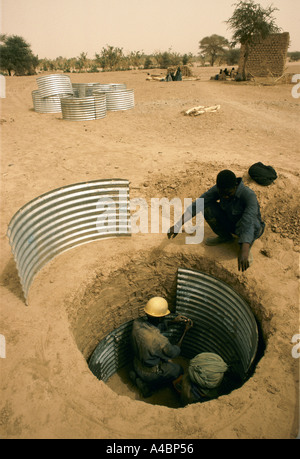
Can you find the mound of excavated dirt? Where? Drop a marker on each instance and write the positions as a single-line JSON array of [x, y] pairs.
[[47, 389]]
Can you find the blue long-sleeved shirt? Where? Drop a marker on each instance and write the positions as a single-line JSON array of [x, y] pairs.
[[150, 346], [243, 211]]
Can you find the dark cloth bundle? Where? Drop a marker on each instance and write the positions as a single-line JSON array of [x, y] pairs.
[[264, 175]]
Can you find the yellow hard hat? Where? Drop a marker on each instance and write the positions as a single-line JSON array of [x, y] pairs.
[[157, 307]]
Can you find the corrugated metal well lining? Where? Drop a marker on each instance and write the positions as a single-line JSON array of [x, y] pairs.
[[64, 218], [51, 104], [84, 108], [52, 85], [119, 100], [223, 323]]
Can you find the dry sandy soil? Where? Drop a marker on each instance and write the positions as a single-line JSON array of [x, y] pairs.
[[47, 389]]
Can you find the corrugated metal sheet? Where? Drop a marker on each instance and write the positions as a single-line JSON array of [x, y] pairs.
[[111, 87], [52, 85], [50, 104], [223, 323], [112, 353], [85, 89], [119, 100], [64, 218], [84, 108]]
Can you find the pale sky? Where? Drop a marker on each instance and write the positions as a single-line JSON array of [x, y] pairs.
[[69, 27]]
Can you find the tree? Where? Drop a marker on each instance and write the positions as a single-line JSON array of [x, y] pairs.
[[16, 56], [81, 61], [135, 58], [148, 63], [250, 24], [233, 56], [213, 47], [163, 59], [110, 57], [187, 58], [294, 56]]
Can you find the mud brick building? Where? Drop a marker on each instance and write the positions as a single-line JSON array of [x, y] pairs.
[[267, 57]]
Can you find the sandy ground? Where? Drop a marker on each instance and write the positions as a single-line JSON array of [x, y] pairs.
[[47, 390]]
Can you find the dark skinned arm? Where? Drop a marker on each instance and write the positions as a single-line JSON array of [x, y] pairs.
[[243, 258]]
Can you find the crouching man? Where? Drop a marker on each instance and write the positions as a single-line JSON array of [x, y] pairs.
[[230, 208], [203, 380], [153, 352]]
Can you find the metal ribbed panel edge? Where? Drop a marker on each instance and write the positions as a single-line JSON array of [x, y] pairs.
[[50, 104], [84, 108], [85, 89], [119, 100], [52, 85], [64, 218], [111, 87], [223, 321], [114, 351]]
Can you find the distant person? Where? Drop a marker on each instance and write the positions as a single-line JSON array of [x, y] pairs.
[[222, 75], [178, 75], [218, 76], [230, 209]]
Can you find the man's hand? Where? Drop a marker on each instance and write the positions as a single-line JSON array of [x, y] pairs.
[[181, 318], [189, 324], [243, 258]]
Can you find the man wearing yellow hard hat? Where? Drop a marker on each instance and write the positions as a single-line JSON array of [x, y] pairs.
[[153, 352]]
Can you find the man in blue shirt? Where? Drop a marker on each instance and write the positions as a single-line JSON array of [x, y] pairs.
[[230, 208]]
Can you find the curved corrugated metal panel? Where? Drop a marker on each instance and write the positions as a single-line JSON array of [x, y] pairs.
[[50, 104], [223, 321], [223, 324], [112, 353], [84, 108], [52, 85], [64, 218], [111, 87], [85, 89], [119, 100]]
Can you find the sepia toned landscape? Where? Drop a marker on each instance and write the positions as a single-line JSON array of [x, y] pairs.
[[47, 389]]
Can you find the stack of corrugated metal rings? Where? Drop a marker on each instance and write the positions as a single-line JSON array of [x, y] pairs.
[[80, 101], [85, 105], [47, 99]]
